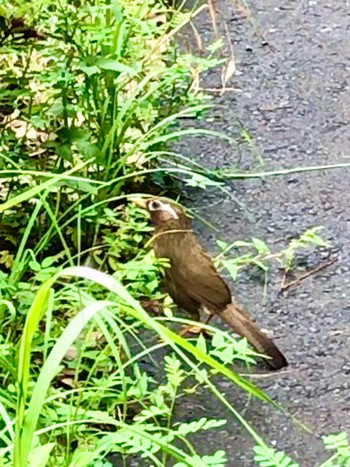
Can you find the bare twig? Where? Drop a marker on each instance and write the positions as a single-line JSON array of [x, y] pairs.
[[266, 375], [321, 267]]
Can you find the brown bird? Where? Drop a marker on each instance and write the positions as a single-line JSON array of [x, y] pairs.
[[192, 280]]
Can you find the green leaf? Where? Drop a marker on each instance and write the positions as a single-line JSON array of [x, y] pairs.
[[265, 456], [34, 266], [240, 243], [201, 344], [261, 246], [48, 261], [64, 151], [81, 185], [336, 442], [261, 265], [231, 266], [218, 459], [221, 244], [90, 70], [198, 425], [39, 455], [115, 65]]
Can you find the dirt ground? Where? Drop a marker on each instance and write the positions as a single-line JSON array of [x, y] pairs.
[[292, 94]]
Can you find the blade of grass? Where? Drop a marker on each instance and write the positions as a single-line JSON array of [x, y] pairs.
[[26, 422], [275, 173], [32, 192]]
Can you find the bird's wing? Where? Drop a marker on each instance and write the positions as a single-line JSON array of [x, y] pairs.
[[193, 281], [197, 277]]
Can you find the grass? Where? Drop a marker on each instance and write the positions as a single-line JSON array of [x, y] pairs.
[[91, 94]]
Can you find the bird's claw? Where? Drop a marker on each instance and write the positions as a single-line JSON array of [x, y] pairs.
[[192, 329]]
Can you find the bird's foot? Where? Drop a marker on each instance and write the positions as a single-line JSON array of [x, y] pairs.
[[192, 329], [153, 307]]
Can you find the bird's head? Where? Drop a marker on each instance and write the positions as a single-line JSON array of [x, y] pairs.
[[164, 213]]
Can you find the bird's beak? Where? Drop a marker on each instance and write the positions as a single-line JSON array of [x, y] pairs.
[[140, 202]]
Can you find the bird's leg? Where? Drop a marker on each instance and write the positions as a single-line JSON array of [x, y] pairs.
[[210, 317], [191, 329], [153, 307]]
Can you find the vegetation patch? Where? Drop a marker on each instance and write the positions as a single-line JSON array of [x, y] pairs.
[[91, 94]]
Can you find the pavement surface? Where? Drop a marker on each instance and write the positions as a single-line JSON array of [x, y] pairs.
[[294, 100]]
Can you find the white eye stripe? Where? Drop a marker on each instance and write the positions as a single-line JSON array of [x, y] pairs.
[[159, 206], [170, 210]]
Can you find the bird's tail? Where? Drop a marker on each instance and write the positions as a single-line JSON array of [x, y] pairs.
[[242, 324]]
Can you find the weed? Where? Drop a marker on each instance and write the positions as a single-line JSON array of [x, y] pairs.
[[258, 253]]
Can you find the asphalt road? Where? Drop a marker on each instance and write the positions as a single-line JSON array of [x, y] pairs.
[[294, 100]]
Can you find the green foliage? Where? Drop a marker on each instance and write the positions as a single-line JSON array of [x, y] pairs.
[[268, 457], [91, 93], [104, 381], [93, 88], [340, 445], [258, 253]]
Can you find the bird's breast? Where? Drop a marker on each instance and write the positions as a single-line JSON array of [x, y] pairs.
[[172, 246]]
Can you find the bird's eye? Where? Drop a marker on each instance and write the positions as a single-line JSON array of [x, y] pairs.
[[155, 205]]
